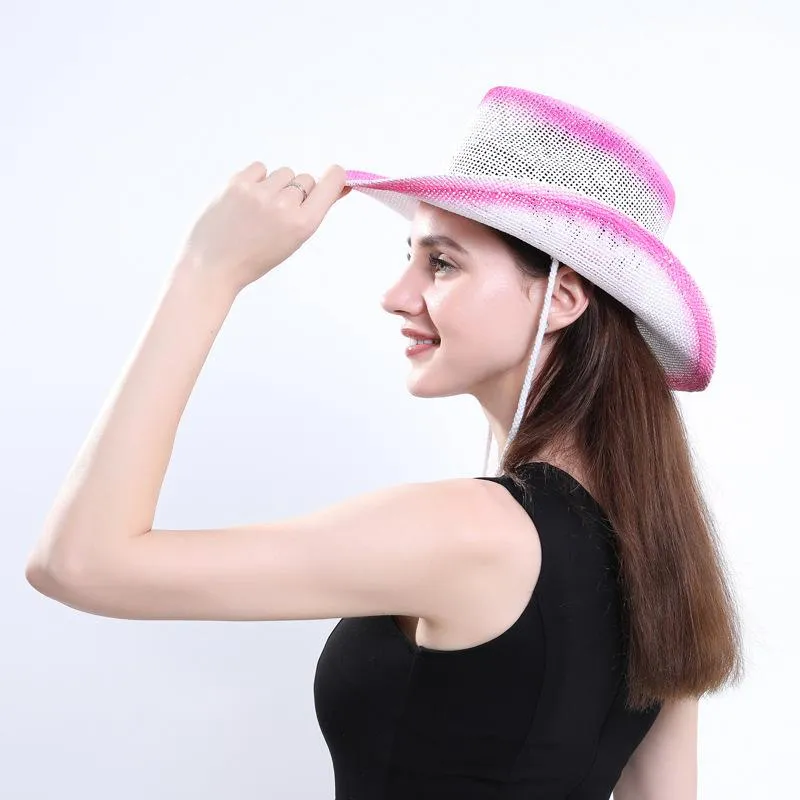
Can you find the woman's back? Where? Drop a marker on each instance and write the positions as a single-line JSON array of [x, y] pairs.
[[536, 712]]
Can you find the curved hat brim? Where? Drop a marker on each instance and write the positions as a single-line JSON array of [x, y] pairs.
[[607, 247]]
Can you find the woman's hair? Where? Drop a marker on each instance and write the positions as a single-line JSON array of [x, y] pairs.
[[603, 390]]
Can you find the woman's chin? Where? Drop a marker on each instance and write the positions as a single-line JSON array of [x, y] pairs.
[[419, 386], [419, 389]]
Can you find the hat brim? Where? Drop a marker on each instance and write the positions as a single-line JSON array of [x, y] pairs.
[[608, 248]]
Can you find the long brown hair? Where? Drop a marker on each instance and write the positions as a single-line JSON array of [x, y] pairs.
[[603, 390]]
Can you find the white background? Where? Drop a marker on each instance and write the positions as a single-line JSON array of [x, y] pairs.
[[121, 121]]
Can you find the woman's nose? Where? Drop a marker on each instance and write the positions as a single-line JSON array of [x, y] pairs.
[[403, 296]]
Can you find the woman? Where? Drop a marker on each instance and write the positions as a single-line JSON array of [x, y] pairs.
[[543, 633]]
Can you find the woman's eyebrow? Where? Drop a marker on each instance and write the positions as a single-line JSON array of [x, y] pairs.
[[437, 240]]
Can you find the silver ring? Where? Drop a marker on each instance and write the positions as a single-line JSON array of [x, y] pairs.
[[297, 186]]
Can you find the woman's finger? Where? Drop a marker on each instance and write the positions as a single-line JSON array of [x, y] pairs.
[[278, 178], [252, 173], [326, 192]]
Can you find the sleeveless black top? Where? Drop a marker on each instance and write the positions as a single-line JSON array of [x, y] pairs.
[[537, 712]]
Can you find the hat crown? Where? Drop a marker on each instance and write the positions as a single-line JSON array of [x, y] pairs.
[[523, 135]]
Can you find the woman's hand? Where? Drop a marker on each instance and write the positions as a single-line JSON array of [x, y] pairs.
[[256, 223]]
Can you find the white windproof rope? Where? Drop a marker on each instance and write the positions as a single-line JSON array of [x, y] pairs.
[[554, 264]]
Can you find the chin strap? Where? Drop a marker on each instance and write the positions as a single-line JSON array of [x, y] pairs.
[[526, 385]]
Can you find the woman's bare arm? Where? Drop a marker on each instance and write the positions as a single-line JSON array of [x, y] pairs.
[[664, 765]]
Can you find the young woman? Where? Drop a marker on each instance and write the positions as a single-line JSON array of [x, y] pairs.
[[542, 633]]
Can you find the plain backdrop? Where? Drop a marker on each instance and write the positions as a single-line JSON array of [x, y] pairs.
[[121, 121]]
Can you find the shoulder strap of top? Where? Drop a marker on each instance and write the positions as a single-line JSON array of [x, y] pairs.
[[548, 492], [505, 480], [547, 478]]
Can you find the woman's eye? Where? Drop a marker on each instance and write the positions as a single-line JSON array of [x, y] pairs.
[[436, 263]]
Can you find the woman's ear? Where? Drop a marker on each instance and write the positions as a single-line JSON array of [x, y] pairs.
[[570, 298]]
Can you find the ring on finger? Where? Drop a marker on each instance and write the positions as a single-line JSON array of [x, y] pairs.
[[297, 186]]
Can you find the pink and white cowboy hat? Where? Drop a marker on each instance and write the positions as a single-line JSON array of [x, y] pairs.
[[584, 192]]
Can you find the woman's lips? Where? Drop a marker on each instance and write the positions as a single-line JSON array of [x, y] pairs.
[[418, 349]]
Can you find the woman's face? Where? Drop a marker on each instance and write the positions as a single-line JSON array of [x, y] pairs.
[[476, 302]]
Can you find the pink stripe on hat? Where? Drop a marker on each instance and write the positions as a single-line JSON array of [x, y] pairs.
[[594, 131]]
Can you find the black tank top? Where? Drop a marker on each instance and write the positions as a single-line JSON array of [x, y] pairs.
[[537, 712]]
